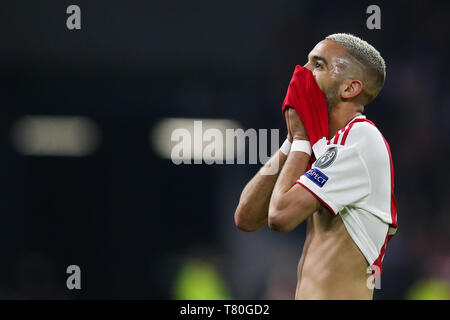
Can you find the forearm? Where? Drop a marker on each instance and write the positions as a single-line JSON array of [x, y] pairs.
[[296, 165], [290, 205], [253, 208]]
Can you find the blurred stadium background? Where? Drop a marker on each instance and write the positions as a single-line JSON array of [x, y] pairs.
[[82, 181]]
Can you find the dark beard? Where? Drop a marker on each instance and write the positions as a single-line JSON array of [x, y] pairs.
[[332, 96]]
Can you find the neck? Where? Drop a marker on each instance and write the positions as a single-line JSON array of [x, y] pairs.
[[341, 114]]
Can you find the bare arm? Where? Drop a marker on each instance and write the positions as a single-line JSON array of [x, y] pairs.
[[253, 208], [291, 204]]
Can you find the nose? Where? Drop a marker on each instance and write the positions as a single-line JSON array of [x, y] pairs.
[[308, 66]]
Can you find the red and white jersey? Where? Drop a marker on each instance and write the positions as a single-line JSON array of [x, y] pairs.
[[354, 176]]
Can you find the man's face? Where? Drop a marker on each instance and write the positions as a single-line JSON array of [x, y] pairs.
[[329, 62]]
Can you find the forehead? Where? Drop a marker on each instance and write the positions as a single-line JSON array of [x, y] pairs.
[[328, 49]]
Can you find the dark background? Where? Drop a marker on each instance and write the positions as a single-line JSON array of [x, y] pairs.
[[131, 220]]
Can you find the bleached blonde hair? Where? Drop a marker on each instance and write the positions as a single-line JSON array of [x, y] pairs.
[[368, 56]]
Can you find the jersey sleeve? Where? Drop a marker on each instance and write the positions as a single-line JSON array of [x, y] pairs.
[[338, 178]]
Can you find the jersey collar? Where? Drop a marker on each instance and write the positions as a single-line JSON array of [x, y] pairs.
[[357, 117]]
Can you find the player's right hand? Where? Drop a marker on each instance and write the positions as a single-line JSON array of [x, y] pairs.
[[286, 117], [295, 124]]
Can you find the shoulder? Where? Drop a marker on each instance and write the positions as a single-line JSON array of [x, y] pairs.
[[368, 139], [362, 132]]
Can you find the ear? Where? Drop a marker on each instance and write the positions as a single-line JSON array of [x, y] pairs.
[[352, 88]]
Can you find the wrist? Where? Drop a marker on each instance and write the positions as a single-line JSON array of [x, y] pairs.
[[299, 136], [301, 145], [286, 147], [289, 138]]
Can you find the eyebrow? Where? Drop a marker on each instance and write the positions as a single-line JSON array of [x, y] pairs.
[[320, 58]]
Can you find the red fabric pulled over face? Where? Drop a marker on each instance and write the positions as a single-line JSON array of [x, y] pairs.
[[305, 96]]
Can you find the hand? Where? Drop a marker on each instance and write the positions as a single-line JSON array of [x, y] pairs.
[[289, 135], [296, 129]]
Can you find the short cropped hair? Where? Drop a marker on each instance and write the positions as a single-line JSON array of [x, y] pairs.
[[367, 55]]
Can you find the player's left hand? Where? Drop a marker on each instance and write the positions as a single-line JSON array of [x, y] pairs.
[[295, 125]]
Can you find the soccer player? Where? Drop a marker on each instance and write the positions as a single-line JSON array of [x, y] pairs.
[[347, 197]]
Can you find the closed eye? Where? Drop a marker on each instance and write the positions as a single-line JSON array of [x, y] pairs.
[[318, 61]]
